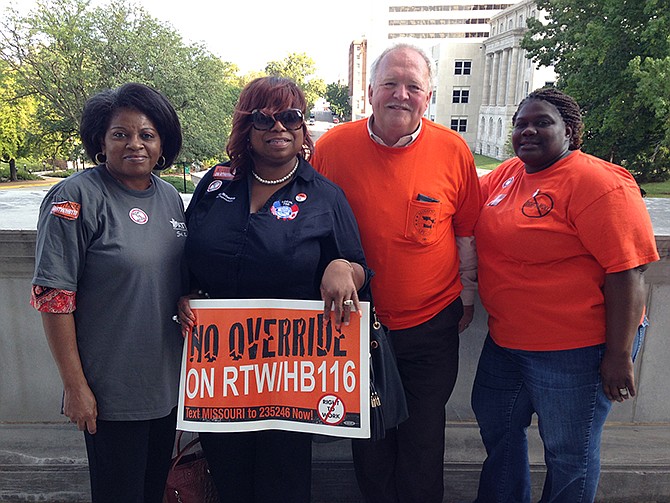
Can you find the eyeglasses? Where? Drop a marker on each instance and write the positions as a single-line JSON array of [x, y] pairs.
[[291, 118]]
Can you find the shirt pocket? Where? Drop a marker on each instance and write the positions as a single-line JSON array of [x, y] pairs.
[[421, 225]]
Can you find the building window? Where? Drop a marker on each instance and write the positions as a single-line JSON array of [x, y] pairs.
[[462, 67], [447, 8], [459, 124], [460, 95]]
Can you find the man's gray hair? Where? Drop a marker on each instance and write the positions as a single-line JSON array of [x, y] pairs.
[[374, 68]]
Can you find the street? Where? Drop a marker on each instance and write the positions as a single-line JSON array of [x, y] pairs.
[[19, 204]]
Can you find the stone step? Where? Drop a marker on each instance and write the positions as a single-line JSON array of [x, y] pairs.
[[47, 463]]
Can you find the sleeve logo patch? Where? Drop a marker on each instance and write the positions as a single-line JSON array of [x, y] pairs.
[[66, 209], [222, 173]]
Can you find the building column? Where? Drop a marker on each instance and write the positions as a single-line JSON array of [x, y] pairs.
[[512, 92], [502, 83], [495, 79], [486, 95]]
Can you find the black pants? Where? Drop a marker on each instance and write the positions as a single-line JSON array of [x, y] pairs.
[[271, 466], [129, 460], [407, 466]]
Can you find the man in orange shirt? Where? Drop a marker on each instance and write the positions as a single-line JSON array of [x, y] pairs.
[[414, 190]]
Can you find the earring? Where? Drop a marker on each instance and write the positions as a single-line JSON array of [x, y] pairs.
[[101, 156], [161, 164]]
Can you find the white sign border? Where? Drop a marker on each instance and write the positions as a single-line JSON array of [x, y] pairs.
[[322, 429]]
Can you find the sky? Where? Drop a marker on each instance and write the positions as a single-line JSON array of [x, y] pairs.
[[251, 33]]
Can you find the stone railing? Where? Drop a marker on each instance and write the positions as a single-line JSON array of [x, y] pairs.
[[30, 388]]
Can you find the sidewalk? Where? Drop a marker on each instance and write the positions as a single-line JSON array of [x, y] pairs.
[[47, 463], [23, 184]]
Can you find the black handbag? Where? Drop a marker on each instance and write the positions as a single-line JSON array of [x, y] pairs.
[[388, 405]]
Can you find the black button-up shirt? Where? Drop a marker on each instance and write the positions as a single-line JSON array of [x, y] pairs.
[[279, 252]]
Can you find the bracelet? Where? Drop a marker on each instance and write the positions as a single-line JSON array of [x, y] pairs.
[[345, 261]]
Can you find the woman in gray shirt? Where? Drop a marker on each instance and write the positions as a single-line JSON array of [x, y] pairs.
[[108, 274]]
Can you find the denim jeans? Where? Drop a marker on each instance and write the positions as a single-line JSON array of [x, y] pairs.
[[563, 388], [639, 337]]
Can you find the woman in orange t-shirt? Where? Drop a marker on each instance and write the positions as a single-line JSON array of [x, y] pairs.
[[562, 239]]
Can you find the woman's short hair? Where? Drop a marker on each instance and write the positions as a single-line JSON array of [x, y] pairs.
[[567, 107], [99, 110], [271, 95]]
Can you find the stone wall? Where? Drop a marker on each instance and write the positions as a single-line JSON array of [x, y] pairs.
[[30, 388]]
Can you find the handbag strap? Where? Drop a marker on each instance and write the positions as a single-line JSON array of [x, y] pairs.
[[376, 325], [181, 452]]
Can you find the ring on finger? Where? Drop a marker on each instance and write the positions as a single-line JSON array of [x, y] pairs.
[[348, 303], [623, 391]]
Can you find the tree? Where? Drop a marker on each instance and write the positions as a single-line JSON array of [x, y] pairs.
[[16, 120], [603, 51], [301, 69], [338, 96], [64, 51]]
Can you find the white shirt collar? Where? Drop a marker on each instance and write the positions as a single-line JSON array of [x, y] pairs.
[[404, 141]]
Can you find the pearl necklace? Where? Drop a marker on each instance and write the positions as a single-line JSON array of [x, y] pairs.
[[279, 180]]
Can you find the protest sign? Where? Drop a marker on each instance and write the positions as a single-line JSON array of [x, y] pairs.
[[272, 364]]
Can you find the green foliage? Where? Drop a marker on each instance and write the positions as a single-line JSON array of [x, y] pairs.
[[610, 56], [338, 96], [178, 183], [17, 127], [61, 174], [21, 174], [301, 69], [64, 51]]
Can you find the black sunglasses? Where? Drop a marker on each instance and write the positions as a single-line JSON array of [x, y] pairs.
[[291, 119]]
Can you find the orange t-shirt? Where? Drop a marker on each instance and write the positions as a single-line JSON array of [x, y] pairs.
[[408, 242], [545, 242]]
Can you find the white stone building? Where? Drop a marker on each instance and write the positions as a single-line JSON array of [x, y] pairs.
[[358, 75], [508, 78], [457, 93], [455, 19], [481, 71]]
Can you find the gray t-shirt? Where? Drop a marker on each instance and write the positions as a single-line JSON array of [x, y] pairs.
[[122, 252]]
